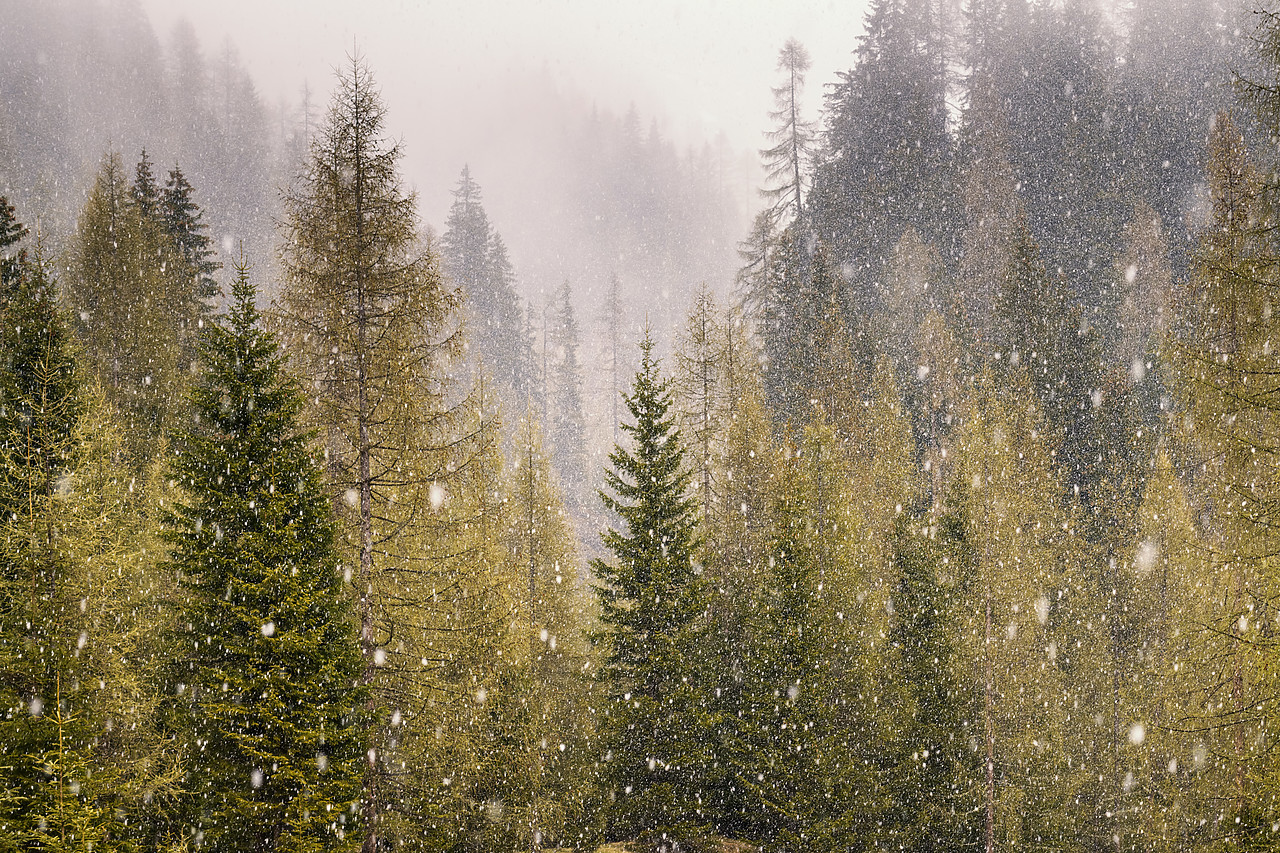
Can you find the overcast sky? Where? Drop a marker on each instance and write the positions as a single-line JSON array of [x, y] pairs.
[[699, 68]]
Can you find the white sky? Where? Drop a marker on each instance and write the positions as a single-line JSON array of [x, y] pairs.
[[699, 67]]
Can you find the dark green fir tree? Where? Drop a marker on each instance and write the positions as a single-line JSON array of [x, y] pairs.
[[268, 689], [184, 221], [653, 602]]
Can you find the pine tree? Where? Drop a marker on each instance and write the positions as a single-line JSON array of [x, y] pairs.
[[652, 609], [772, 746], [269, 694]]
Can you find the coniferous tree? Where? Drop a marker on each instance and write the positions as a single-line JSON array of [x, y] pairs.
[[1222, 362], [701, 396], [475, 258], [139, 287], [554, 683], [787, 159], [270, 697], [122, 304], [936, 783], [368, 317], [183, 220], [652, 613], [566, 431], [76, 740]]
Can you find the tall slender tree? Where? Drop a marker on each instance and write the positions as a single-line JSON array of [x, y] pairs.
[[566, 430], [367, 315], [652, 612], [786, 160]]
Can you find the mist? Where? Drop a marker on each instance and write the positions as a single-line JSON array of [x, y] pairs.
[[651, 428]]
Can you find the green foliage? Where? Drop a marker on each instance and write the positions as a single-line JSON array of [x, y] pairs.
[[77, 745], [411, 464], [137, 291], [653, 601], [936, 778], [267, 685]]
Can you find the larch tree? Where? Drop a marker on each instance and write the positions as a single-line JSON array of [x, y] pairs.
[[119, 298], [555, 678], [139, 286], [76, 738], [369, 320], [1223, 370], [271, 698], [786, 160], [701, 397]]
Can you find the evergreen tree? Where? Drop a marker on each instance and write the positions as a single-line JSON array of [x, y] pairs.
[[269, 694], [182, 219], [12, 232], [566, 432], [652, 613], [774, 733], [936, 783], [145, 192], [887, 163], [475, 258]]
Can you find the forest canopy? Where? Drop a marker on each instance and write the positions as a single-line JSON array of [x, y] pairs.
[[949, 526]]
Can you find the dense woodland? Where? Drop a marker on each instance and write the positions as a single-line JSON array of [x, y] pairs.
[[951, 528]]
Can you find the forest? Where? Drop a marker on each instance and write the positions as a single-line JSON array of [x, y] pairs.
[[950, 526]]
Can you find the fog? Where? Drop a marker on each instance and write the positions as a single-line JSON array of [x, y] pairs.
[[493, 84], [753, 435]]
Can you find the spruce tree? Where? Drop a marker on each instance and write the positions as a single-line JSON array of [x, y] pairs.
[[182, 219], [475, 258], [565, 430], [936, 780], [653, 600], [269, 679]]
